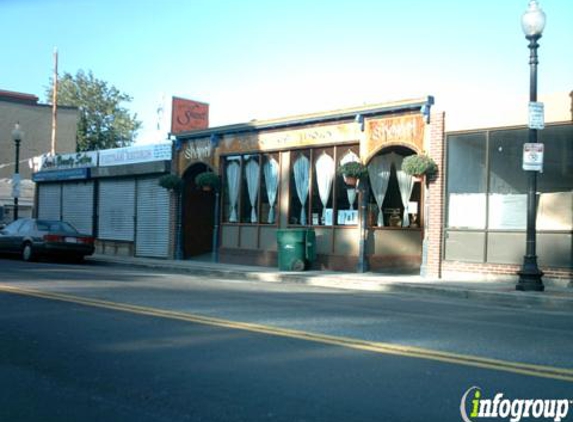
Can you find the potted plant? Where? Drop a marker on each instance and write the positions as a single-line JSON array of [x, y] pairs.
[[207, 180], [171, 182], [352, 171], [419, 165]]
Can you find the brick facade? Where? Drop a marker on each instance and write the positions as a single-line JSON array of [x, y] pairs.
[[502, 269], [435, 198]]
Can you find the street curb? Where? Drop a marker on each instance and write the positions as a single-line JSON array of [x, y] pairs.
[[357, 284]]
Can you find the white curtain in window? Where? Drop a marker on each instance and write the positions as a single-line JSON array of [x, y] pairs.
[[233, 180], [379, 173], [351, 195], [324, 177], [252, 173], [271, 171], [350, 192], [300, 169], [405, 184]]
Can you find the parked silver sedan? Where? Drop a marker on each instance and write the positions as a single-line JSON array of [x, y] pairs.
[[32, 238]]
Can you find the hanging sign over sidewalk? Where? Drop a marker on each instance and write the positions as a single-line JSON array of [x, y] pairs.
[[188, 115], [533, 157]]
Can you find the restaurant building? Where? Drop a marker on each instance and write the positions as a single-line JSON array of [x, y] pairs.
[[467, 220], [279, 174]]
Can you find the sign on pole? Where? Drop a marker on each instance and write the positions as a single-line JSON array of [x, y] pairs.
[[533, 157], [536, 115], [16, 179]]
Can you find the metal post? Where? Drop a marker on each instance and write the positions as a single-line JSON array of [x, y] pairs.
[[179, 242], [363, 186], [530, 274], [215, 253], [426, 227], [17, 176]]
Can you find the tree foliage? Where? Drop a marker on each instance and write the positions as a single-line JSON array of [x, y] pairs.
[[104, 122]]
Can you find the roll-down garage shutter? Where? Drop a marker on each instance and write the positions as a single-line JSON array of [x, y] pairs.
[[77, 205], [152, 235], [50, 201], [116, 209]]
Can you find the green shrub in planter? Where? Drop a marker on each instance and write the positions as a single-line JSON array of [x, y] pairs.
[[353, 169], [352, 172], [171, 182], [419, 165], [207, 179]]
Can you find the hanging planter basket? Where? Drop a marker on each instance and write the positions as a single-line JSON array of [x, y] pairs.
[[419, 166], [171, 182], [207, 181], [352, 172], [350, 180]]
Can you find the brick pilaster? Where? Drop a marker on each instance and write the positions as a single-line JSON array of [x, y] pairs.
[[435, 197]]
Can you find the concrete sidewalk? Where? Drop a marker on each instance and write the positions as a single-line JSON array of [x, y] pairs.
[[557, 295]]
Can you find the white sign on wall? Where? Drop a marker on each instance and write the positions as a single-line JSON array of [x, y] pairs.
[[136, 154], [69, 161]]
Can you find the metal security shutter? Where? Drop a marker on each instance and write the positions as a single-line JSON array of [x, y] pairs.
[[50, 201], [78, 205], [116, 209], [152, 237]]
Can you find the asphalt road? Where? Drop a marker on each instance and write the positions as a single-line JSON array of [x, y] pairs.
[[62, 360]]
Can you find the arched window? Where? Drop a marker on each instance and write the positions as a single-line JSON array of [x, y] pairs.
[[395, 199]]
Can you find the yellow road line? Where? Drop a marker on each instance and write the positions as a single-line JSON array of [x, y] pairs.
[[562, 374]]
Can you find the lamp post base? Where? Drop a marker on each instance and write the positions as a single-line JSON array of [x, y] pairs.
[[530, 276]]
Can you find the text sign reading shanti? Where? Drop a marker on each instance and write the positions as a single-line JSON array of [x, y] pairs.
[[402, 130]]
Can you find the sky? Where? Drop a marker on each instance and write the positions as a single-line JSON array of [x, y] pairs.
[[259, 59]]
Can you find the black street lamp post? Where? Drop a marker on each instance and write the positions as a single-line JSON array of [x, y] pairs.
[[17, 136], [533, 22]]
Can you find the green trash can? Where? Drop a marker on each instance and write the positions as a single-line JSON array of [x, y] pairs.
[[296, 247], [310, 245]]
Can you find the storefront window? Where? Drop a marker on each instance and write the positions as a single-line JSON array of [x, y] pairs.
[[250, 189], [466, 184], [394, 195], [322, 211], [269, 189], [231, 188], [319, 196], [346, 196], [507, 193], [555, 184], [299, 187], [508, 182]]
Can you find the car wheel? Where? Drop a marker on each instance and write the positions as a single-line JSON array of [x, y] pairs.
[[28, 252]]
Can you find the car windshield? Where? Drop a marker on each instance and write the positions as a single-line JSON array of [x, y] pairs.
[[55, 226], [13, 226]]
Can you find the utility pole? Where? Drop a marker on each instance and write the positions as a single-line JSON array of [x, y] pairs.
[[54, 104]]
